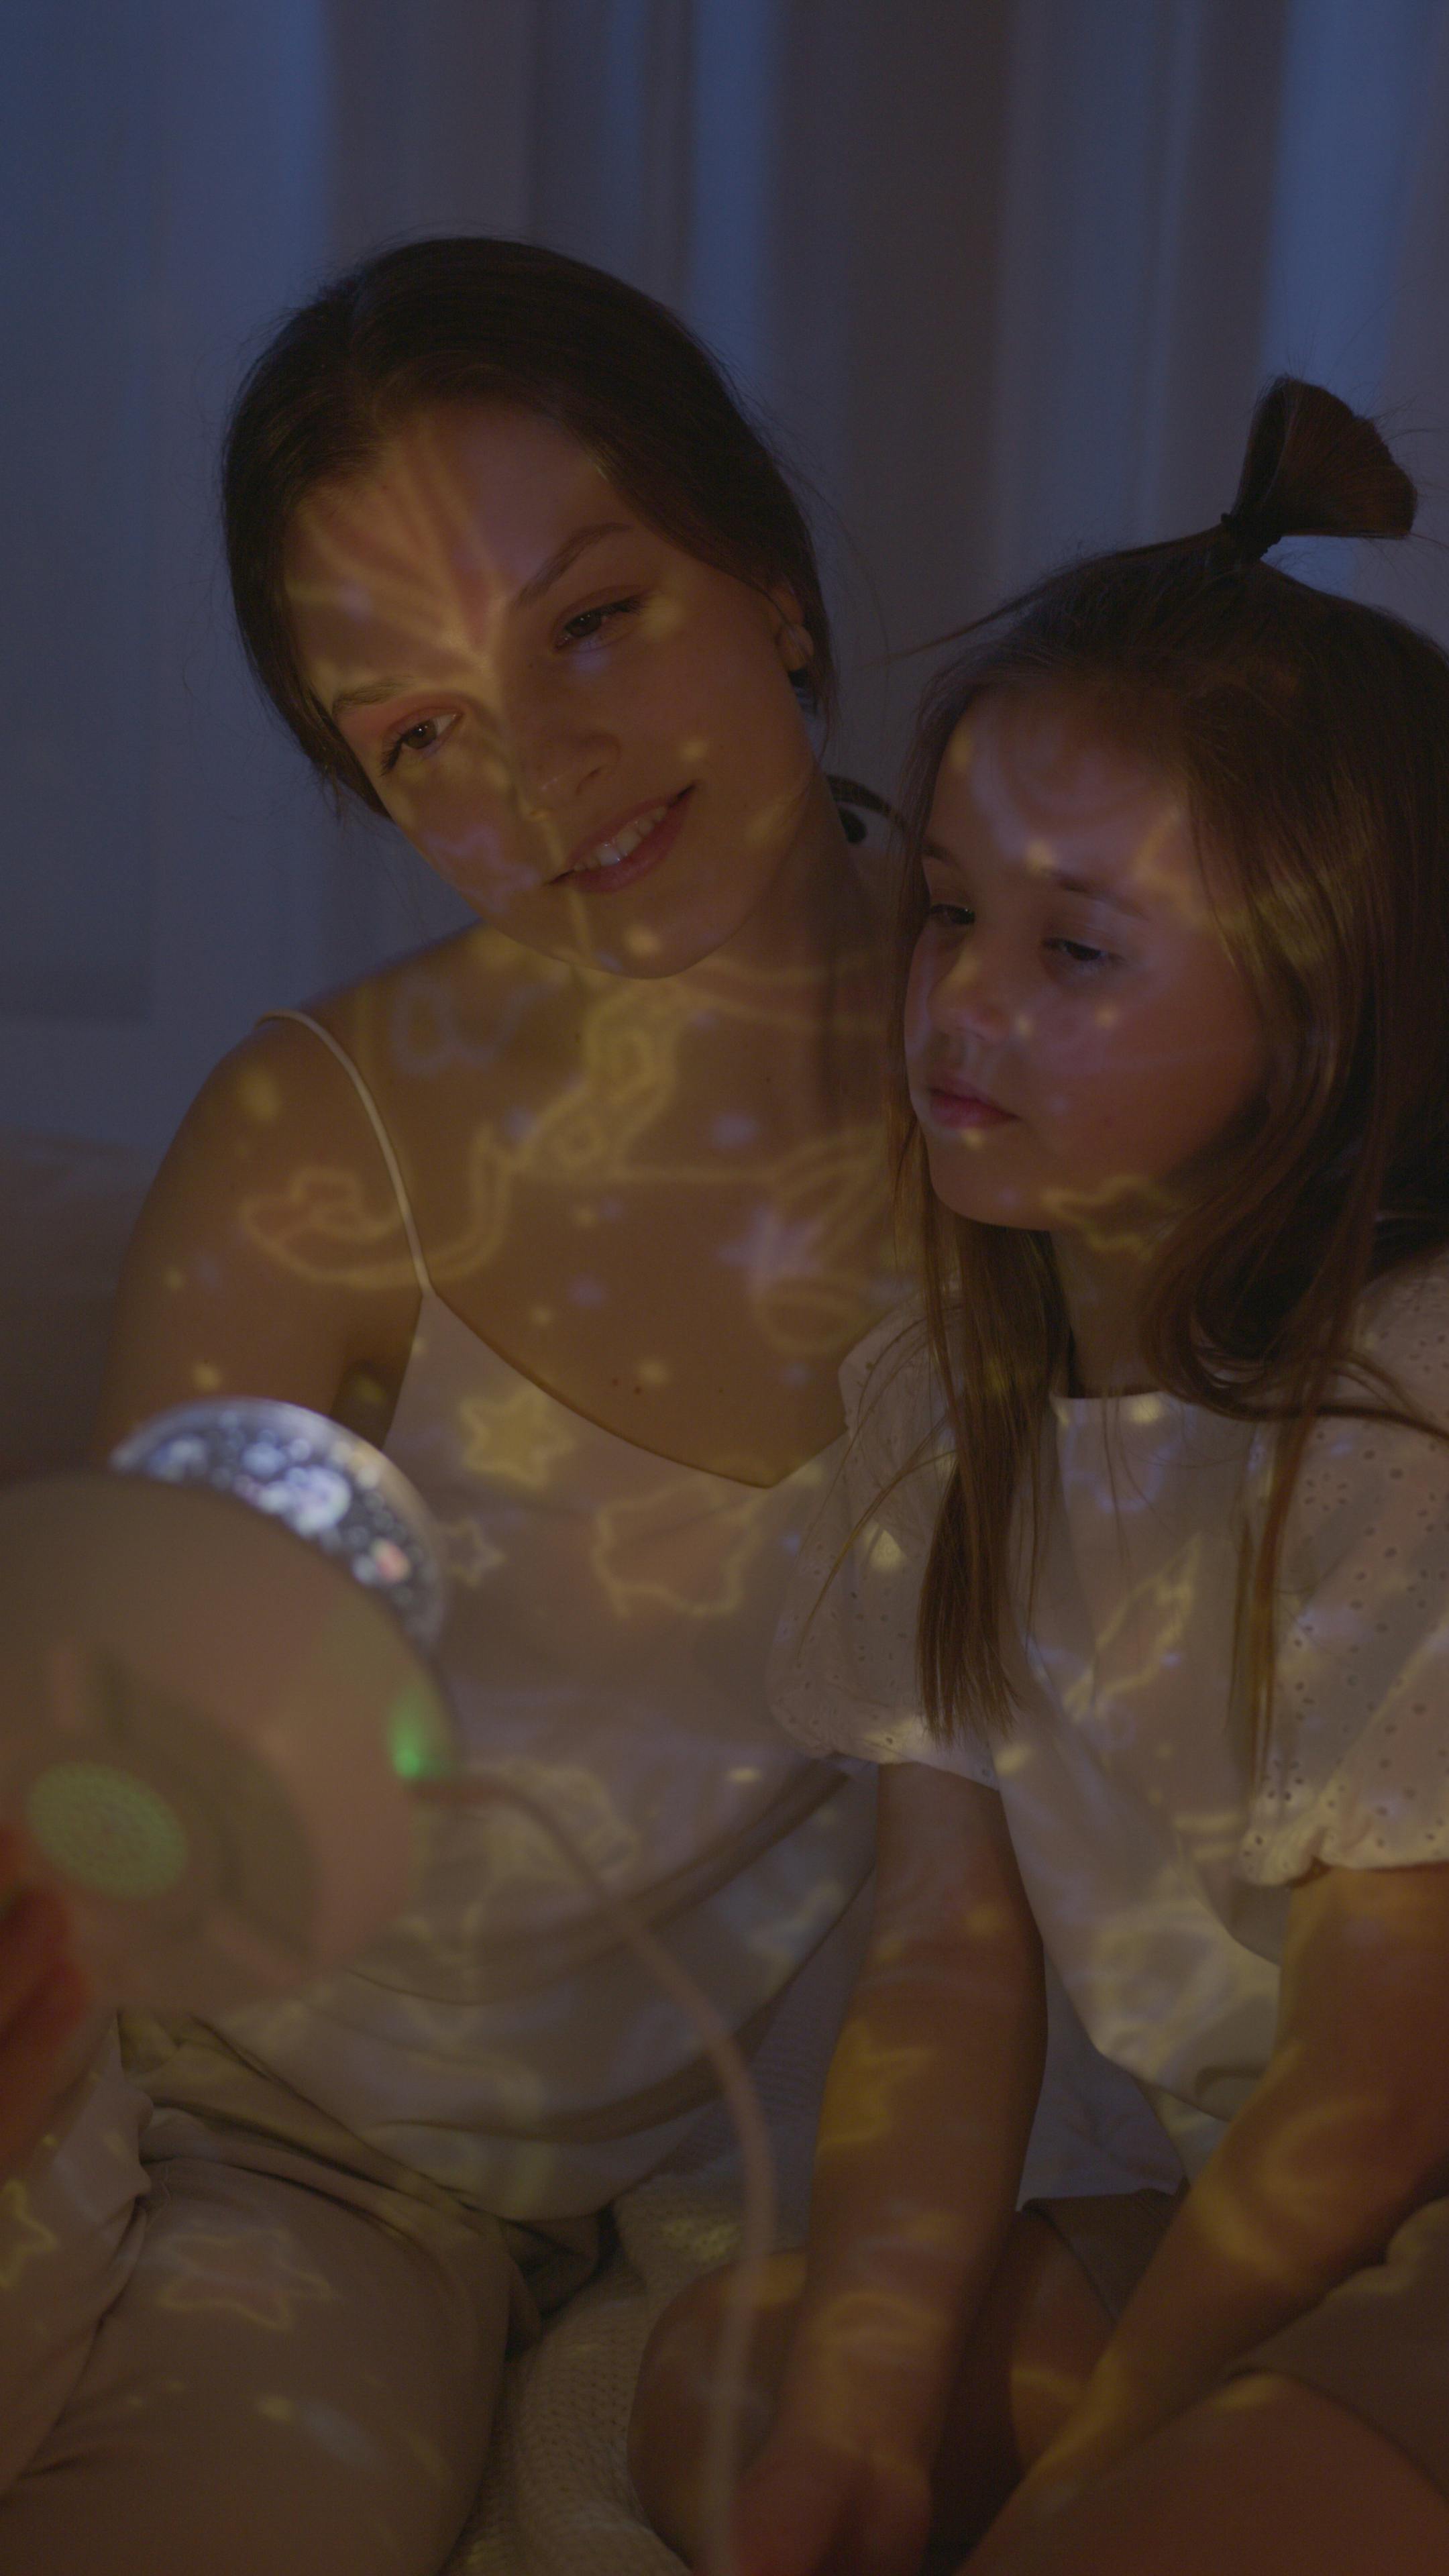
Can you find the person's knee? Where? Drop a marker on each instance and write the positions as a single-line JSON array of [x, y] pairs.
[[679, 2383], [1033, 2345]]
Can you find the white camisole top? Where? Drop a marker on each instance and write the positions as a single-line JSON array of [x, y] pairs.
[[606, 1646]]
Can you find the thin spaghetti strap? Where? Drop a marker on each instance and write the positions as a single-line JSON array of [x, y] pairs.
[[394, 1173]]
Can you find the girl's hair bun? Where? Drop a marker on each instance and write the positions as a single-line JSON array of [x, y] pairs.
[[1316, 469]]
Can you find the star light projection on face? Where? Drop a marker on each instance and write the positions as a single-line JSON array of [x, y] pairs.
[[556, 704], [1078, 1031]]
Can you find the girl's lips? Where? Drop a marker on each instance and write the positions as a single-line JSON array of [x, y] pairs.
[[966, 1109], [656, 845]]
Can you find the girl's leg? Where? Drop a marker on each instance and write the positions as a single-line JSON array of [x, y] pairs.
[[1267, 2478], [1037, 2338]]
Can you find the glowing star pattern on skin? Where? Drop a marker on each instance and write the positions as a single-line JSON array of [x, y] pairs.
[[422, 1021], [772, 1250], [865, 2078], [23, 2236], [253, 2273], [817, 1209], [324, 1205]]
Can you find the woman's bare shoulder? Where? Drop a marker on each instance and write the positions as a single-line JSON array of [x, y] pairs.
[[475, 1005], [269, 1256]]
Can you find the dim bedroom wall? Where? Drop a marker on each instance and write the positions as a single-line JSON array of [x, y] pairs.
[[1003, 280]]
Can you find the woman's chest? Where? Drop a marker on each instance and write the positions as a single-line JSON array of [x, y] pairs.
[[655, 1238]]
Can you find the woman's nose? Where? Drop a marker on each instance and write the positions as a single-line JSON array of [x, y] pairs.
[[553, 759]]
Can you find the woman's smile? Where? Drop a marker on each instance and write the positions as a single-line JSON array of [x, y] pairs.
[[629, 850]]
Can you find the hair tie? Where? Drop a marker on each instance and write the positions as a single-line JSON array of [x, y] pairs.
[[1234, 534]]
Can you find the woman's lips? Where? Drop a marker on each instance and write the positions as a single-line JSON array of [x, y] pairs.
[[959, 1108], [646, 854]]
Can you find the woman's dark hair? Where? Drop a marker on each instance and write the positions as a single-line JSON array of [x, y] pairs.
[[1309, 738], [472, 319]]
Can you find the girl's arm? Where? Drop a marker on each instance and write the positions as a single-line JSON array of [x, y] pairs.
[[927, 2111], [1345, 2136]]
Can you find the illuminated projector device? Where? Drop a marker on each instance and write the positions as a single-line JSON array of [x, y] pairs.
[[217, 1698]]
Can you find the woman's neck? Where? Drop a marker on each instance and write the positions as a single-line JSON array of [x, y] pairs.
[[817, 918]]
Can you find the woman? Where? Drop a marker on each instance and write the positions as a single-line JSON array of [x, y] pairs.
[[578, 1211]]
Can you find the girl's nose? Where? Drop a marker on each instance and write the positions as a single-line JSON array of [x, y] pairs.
[[972, 997]]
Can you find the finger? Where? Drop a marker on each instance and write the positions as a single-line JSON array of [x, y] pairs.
[[17, 1860], [891, 2539], [787, 2523], [34, 2051], [33, 1945]]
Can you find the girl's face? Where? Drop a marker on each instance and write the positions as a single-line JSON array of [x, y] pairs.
[[586, 731], [1077, 1032]]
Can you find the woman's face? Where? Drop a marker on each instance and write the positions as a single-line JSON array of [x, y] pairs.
[[585, 730], [1078, 1032]]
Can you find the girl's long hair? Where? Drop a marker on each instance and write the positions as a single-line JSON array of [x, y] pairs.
[[1309, 736]]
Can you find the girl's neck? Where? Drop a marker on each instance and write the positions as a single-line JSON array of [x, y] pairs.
[[1102, 1287]]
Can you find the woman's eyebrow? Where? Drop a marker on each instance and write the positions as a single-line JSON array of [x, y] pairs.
[[548, 573], [568, 553]]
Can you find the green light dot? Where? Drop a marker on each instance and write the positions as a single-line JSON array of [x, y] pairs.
[[105, 1830], [417, 1741]]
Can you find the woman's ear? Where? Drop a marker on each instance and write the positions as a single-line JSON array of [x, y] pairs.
[[792, 635]]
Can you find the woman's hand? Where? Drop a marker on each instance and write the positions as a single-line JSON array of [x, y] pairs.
[[812, 2505], [44, 1997]]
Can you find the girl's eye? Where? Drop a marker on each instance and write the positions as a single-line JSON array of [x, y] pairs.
[[952, 916], [1080, 955], [590, 622], [419, 738]]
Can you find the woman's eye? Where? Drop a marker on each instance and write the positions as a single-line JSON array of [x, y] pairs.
[[419, 738], [952, 916], [590, 622]]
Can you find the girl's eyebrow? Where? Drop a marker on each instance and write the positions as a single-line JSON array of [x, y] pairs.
[[1095, 893], [1056, 879]]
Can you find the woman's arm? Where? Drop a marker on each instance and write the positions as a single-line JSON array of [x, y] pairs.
[[927, 2111], [1345, 2136], [222, 1291], [207, 1308]]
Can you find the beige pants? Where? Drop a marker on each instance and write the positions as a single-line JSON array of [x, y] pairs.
[[1378, 2343], [242, 2342]]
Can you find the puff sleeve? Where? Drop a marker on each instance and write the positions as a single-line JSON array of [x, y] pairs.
[[1356, 1773], [843, 1671]]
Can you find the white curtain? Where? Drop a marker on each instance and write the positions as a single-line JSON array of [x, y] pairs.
[[1002, 276]]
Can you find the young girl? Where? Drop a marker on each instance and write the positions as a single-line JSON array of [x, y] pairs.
[[1137, 1584], [579, 1211]]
